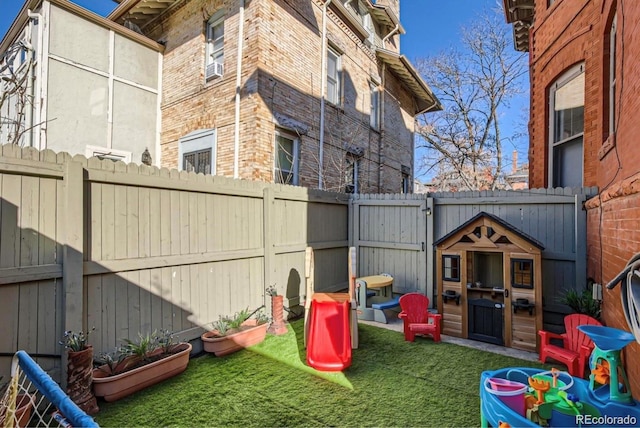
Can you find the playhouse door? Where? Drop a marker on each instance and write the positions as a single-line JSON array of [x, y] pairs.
[[485, 320]]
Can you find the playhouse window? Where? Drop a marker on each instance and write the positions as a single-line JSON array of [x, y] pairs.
[[522, 273], [451, 268]]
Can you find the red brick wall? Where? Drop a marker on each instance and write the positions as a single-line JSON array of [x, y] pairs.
[[567, 33], [613, 237]]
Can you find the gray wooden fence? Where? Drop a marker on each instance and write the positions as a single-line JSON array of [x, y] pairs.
[[129, 249], [554, 217], [395, 234]]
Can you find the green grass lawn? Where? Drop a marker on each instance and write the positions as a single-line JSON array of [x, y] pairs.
[[390, 383]]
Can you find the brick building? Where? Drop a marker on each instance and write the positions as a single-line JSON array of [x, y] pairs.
[[320, 95], [584, 68]]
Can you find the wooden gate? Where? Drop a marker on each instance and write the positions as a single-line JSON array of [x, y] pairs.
[[393, 234]]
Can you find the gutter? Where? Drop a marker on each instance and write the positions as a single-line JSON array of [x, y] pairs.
[[236, 143], [323, 87]]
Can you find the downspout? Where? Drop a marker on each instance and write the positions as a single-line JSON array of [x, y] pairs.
[[29, 108], [382, 125], [384, 40], [323, 86], [43, 75], [382, 102], [236, 145], [37, 100]]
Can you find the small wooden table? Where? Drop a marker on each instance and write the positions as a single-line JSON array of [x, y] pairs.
[[383, 284]]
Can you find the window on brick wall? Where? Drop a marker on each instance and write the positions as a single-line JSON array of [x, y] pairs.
[[334, 78], [214, 62], [405, 184], [286, 158], [611, 105], [197, 152], [352, 174], [368, 23], [566, 126], [374, 118]]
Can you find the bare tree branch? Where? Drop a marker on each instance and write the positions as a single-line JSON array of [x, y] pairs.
[[463, 143], [16, 65]]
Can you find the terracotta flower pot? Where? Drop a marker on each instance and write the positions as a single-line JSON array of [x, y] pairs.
[[118, 386], [249, 334], [278, 326], [79, 368], [24, 406]]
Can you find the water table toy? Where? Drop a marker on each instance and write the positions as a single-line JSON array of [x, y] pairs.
[[528, 397]]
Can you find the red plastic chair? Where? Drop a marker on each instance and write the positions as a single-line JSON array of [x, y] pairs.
[[417, 318], [577, 345]]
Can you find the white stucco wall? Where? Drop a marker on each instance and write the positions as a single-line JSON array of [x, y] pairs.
[[102, 89]]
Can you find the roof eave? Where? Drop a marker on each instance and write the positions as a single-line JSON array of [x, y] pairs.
[[362, 32], [18, 24], [520, 13], [142, 13], [426, 101], [386, 16]]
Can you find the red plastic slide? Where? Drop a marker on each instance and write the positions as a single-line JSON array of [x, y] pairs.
[[329, 340]]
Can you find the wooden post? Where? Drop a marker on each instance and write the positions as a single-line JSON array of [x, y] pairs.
[[72, 242], [309, 272], [430, 278], [352, 297], [267, 230]]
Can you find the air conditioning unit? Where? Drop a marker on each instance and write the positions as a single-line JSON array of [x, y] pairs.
[[215, 69]]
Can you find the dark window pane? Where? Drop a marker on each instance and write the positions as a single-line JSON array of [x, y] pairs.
[[522, 273], [451, 268], [567, 164], [199, 162]]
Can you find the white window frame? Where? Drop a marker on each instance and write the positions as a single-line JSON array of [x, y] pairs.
[[295, 162], [196, 141], [563, 80], [374, 115], [368, 24], [336, 96], [107, 153], [612, 75], [212, 53]]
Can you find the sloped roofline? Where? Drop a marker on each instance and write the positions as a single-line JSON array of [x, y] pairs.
[[483, 214]]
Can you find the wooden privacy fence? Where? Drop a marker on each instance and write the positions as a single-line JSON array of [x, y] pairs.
[[129, 249], [395, 234], [554, 217]]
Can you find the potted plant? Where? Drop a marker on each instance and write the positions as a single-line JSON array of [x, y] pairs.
[[23, 407], [582, 302], [138, 364], [22, 413], [278, 325], [232, 333], [79, 367]]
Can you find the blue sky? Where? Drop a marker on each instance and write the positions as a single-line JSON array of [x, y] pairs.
[[431, 27], [434, 25]]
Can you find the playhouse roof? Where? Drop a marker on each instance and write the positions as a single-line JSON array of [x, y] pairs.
[[480, 219]]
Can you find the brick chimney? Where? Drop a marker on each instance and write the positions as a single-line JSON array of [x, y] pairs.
[[514, 165]]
